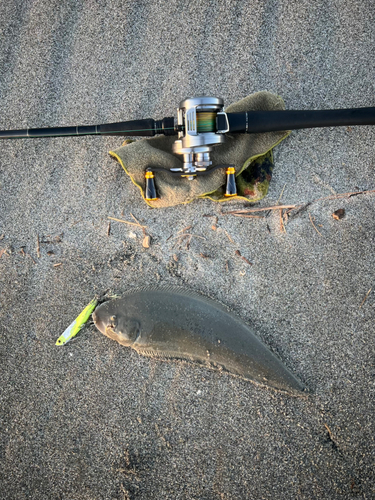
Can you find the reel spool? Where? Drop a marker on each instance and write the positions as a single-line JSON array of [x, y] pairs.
[[198, 133]]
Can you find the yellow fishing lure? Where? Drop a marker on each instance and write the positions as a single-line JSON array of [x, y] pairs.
[[77, 324]]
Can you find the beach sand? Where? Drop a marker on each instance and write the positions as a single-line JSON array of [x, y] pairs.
[[92, 419]]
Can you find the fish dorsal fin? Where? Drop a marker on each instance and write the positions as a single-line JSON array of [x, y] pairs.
[[181, 291]]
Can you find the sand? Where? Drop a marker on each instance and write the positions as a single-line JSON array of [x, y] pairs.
[[93, 420]]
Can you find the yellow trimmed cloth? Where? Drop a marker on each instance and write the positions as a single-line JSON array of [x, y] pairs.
[[250, 154]]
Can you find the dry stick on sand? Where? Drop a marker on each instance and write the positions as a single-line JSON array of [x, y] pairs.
[[314, 226], [364, 300], [282, 191], [37, 246], [331, 436], [31, 258], [126, 222], [263, 209], [248, 216], [282, 227], [180, 238], [185, 229], [349, 195], [138, 223], [229, 237], [146, 237], [300, 206], [25, 254], [180, 231], [237, 252], [188, 234]]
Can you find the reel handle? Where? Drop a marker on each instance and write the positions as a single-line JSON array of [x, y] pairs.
[[150, 188], [253, 122]]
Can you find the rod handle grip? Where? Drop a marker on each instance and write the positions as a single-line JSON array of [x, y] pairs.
[[273, 121]]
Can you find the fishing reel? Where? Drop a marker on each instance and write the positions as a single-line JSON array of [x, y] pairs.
[[201, 125], [198, 133]]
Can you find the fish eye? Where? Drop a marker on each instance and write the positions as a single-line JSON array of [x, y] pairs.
[[128, 329]]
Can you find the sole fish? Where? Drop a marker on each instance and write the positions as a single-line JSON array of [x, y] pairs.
[[179, 324]]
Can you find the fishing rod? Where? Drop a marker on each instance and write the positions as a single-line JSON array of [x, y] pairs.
[[201, 125]]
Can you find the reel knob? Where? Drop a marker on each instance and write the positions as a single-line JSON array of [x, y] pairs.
[[231, 188], [150, 191]]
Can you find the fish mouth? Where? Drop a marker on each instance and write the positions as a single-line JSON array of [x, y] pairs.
[[98, 322], [109, 332]]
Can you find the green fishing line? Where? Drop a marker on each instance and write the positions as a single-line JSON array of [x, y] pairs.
[[206, 121]]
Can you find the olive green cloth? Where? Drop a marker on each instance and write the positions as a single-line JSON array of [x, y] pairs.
[[250, 154]]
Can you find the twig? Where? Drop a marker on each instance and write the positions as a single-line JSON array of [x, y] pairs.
[[298, 210], [37, 246], [109, 228], [249, 216], [185, 229], [329, 433], [343, 195], [301, 206], [143, 227], [314, 226], [188, 234], [364, 300], [229, 237], [126, 222], [282, 227], [137, 221], [281, 193], [288, 210], [31, 258], [264, 209], [237, 252]]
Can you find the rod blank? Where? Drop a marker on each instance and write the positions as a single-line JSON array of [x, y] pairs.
[[145, 128]]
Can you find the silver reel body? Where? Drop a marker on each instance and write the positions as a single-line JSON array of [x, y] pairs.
[[198, 134]]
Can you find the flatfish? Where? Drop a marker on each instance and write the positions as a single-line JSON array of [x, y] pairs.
[[174, 323]]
